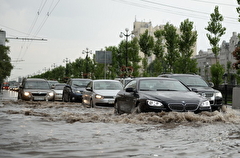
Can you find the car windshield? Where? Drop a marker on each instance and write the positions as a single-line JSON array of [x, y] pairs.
[[192, 81], [80, 83], [59, 87], [161, 85], [37, 85], [107, 85]]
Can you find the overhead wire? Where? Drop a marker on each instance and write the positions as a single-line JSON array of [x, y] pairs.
[[48, 13], [41, 7], [184, 12]]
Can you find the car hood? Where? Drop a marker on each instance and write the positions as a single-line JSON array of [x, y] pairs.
[[203, 89], [107, 92], [37, 90], [172, 96]]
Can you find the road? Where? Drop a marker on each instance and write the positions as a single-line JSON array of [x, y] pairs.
[[58, 129]]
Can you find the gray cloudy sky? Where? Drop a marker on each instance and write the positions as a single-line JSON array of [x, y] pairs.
[[71, 26]]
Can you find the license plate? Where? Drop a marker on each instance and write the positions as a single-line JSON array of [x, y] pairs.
[[39, 98], [111, 102]]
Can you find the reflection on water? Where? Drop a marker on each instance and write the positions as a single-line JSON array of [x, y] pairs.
[[57, 129]]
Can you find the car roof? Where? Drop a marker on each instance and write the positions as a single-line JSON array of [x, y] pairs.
[[80, 79], [169, 75], [34, 79], [105, 80], [162, 78]]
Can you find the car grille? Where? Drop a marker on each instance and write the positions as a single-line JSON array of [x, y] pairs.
[[207, 94], [39, 94], [183, 107], [109, 97]]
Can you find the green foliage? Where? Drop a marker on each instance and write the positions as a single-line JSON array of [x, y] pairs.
[[238, 10], [216, 30], [5, 63], [217, 72], [146, 43], [187, 41], [172, 40]]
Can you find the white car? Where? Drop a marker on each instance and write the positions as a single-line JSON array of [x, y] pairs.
[[58, 91], [101, 92]]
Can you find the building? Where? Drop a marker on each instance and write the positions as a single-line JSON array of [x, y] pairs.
[[206, 58], [140, 27]]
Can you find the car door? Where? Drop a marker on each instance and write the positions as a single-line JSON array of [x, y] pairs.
[[87, 93], [126, 99], [66, 91]]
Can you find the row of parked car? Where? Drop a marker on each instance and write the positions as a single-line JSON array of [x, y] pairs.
[[168, 92]]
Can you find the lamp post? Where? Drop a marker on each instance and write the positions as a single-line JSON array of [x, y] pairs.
[[126, 35], [66, 60], [87, 51], [53, 70]]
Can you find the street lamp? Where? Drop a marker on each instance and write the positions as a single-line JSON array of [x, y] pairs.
[[86, 59], [66, 60], [86, 51], [126, 35]]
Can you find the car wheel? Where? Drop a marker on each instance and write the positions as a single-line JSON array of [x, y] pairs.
[[19, 97], [69, 98], [136, 109], [116, 108], [92, 105], [63, 97]]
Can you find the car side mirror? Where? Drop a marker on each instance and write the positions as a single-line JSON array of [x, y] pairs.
[[129, 89], [21, 86], [194, 90], [211, 84], [89, 89]]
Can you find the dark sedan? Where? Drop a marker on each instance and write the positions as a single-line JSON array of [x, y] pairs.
[[73, 89], [156, 94]]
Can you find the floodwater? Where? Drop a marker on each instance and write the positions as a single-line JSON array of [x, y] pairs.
[[58, 129]]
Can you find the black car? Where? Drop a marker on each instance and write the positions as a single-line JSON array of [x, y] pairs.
[[156, 94], [73, 89], [199, 85]]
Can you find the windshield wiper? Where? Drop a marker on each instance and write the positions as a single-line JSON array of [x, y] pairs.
[[78, 85], [166, 90]]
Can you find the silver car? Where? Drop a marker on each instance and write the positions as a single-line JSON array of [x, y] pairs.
[[58, 91], [101, 92]]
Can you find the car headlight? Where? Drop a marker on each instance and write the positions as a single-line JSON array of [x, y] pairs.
[[51, 94], [218, 94], [76, 91], [99, 96], [154, 103], [205, 104], [26, 93]]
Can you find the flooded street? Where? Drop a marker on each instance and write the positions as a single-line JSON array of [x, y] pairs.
[[58, 129]]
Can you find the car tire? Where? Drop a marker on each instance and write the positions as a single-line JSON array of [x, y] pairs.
[[92, 105], [19, 97], [136, 109], [63, 97], [69, 98], [116, 108]]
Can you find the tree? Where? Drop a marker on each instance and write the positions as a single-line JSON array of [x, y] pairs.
[[134, 57], [216, 30], [146, 43], [187, 40], [172, 38], [156, 67], [217, 72], [5, 63], [238, 10]]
